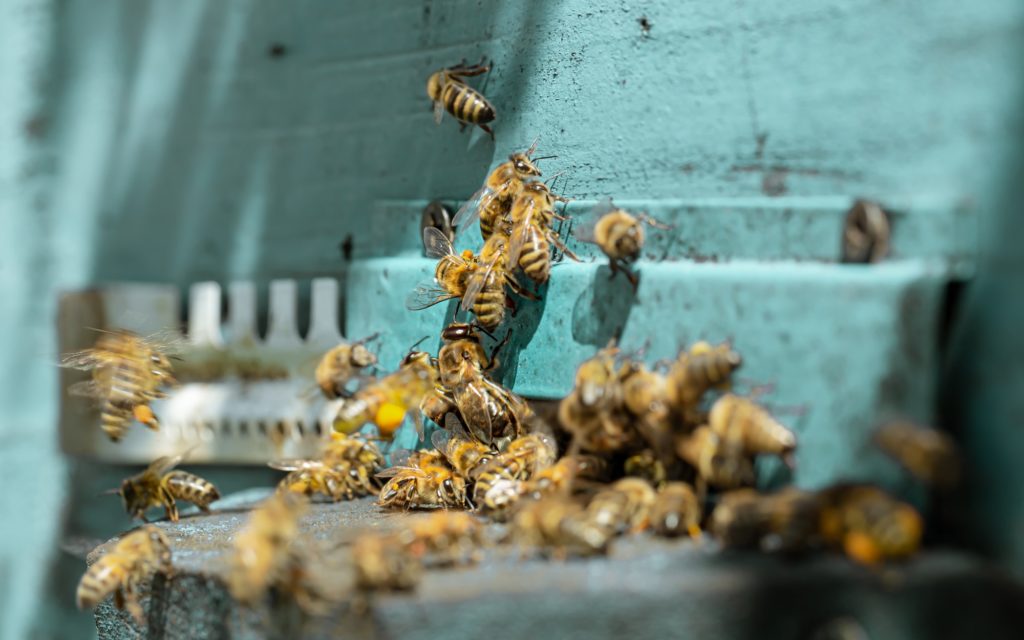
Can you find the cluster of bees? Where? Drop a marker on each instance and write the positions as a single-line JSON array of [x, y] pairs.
[[667, 449]]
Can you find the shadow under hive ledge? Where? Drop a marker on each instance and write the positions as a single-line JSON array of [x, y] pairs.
[[646, 588]]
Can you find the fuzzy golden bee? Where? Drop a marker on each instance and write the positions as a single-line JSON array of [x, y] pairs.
[[560, 526], [134, 559], [501, 482], [446, 537], [387, 401], [868, 524], [929, 455], [465, 455], [532, 214], [648, 466], [159, 486], [676, 511], [742, 424], [267, 553], [594, 412], [696, 371], [312, 477], [561, 477], [619, 234], [342, 364], [494, 200], [449, 92], [423, 482], [717, 465], [787, 520], [385, 563], [623, 506], [128, 373]]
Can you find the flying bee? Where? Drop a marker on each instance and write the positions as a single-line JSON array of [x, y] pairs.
[[387, 401], [492, 414], [743, 424], [717, 464], [676, 510], [696, 371], [561, 477], [623, 506], [385, 563], [128, 373], [868, 524], [619, 234], [159, 486], [494, 200], [559, 525], [423, 482], [465, 455], [342, 364], [929, 455], [449, 92], [134, 559], [448, 537], [532, 214], [266, 554]]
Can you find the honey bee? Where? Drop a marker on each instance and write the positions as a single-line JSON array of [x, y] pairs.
[[929, 455], [645, 398], [492, 414], [676, 510], [266, 553], [532, 214], [742, 424], [494, 200], [342, 364], [423, 482], [559, 524], [448, 537], [788, 520], [448, 91], [385, 563], [501, 482], [648, 466], [869, 525], [465, 455], [695, 372], [623, 506], [134, 559], [387, 401], [310, 477], [128, 373], [736, 520], [594, 412], [717, 464], [159, 486], [619, 234], [560, 477]]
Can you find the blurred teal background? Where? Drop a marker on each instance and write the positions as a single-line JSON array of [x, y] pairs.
[[189, 140]]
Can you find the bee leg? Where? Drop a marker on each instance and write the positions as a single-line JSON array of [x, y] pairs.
[[510, 304], [462, 126], [694, 531], [487, 129], [555, 240], [633, 278]]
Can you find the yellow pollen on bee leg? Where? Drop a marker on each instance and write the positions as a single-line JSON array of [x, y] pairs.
[[146, 416], [389, 417]]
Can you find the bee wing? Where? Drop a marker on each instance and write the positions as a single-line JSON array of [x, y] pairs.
[[584, 229], [426, 295], [402, 458], [477, 281], [438, 111], [440, 439], [417, 421], [437, 243], [81, 360], [293, 464], [164, 464], [394, 471], [454, 425], [469, 212], [522, 233], [86, 389], [475, 407]]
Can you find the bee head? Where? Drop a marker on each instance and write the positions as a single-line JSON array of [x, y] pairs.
[[434, 85], [523, 165], [362, 357]]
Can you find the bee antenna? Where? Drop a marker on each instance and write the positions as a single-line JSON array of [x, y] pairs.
[[417, 343], [369, 338], [484, 331], [110, 492], [553, 177], [533, 147], [544, 158]]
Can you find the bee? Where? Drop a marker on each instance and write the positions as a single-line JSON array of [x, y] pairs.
[[342, 364], [736, 520], [501, 482], [465, 455], [492, 414], [266, 553], [310, 477], [717, 464], [868, 524], [134, 559], [560, 477], [448, 537], [645, 398], [387, 401], [385, 563], [788, 520], [742, 424], [344, 449], [623, 506], [695, 372], [648, 466], [529, 247], [448, 91], [619, 234], [929, 455], [676, 510], [128, 373], [494, 200], [559, 524], [424, 482], [594, 412], [159, 486]]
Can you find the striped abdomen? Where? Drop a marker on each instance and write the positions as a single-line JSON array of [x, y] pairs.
[[489, 306], [535, 257], [191, 488], [466, 103], [495, 208], [101, 579]]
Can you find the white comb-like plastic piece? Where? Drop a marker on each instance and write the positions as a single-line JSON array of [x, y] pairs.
[[242, 399]]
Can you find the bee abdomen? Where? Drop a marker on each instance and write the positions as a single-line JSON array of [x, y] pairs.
[[115, 418], [536, 260], [98, 582], [191, 488], [489, 307], [466, 103]]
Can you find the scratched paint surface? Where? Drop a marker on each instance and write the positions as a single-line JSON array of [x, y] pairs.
[[186, 141]]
